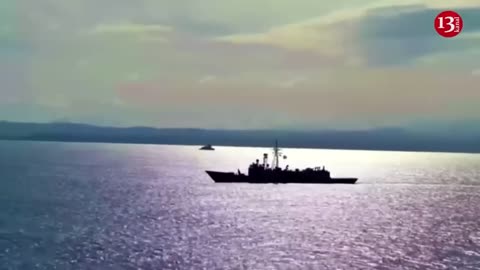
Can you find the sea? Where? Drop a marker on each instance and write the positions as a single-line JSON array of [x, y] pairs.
[[125, 206]]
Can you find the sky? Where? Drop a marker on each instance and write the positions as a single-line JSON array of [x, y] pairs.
[[238, 64]]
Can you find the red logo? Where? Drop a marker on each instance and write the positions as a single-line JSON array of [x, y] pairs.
[[448, 24]]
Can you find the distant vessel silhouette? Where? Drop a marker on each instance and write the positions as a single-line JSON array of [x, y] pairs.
[[207, 147], [263, 173]]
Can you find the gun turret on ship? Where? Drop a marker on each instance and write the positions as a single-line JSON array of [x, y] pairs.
[[264, 173]]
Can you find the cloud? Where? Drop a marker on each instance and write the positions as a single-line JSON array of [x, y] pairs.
[[130, 28], [293, 82], [262, 63], [374, 36], [373, 97], [207, 79], [142, 32]]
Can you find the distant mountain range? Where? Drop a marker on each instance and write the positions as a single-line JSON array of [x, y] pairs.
[[374, 139]]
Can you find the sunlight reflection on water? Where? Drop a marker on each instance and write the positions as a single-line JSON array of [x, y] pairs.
[[98, 206]]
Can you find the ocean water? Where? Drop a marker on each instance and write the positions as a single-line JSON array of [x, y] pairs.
[[106, 206]]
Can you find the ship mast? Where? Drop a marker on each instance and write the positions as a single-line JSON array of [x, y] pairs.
[[276, 155]]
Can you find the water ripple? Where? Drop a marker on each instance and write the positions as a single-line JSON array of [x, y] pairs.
[[94, 206]]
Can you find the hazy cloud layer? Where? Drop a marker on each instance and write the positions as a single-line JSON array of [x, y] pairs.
[[237, 64], [391, 35]]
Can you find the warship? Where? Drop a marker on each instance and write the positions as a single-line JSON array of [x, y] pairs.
[[264, 173], [207, 147]]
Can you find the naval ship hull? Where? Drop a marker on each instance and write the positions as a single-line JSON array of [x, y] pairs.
[[230, 177]]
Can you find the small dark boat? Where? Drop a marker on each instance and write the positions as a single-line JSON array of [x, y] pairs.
[[263, 174], [207, 147]]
